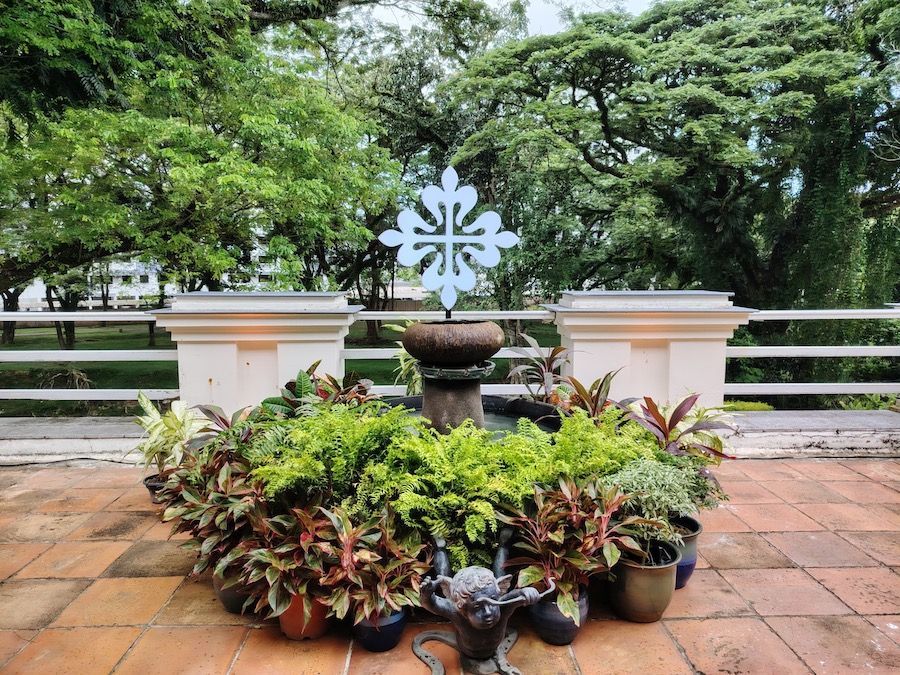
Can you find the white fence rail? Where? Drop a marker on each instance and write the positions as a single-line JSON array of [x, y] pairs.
[[733, 388]]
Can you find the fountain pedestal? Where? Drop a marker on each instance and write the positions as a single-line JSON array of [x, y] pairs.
[[452, 359]]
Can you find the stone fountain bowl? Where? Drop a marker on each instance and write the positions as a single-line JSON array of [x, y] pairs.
[[500, 412], [453, 343]]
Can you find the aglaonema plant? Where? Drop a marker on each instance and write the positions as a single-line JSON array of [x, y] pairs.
[[373, 573], [572, 533]]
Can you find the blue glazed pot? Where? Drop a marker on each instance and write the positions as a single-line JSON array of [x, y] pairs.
[[688, 549], [550, 624], [382, 634]]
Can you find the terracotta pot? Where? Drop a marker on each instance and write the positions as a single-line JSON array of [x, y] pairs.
[[453, 343], [550, 624], [382, 634], [688, 549], [295, 628], [232, 598], [641, 592]]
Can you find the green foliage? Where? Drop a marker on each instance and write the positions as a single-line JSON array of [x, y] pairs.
[[168, 434], [325, 453], [746, 406]]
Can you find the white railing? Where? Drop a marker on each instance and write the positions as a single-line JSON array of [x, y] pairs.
[[731, 388], [83, 355]]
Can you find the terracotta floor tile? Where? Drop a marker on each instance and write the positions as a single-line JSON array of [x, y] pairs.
[[80, 500], [702, 563], [12, 641], [135, 499], [804, 491], [153, 559], [162, 531], [730, 470], [57, 478], [12, 477], [74, 559], [36, 602], [853, 517], [722, 520], [876, 469], [838, 644], [114, 525], [14, 557], [124, 477], [789, 592], [740, 550], [883, 546], [706, 595], [734, 646], [119, 602], [623, 647], [18, 500], [889, 624], [535, 655], [764, 470], [267, 652], [195, 604], [206, 650], [866, 492], [42, 526], [867, 590], [401, 660], [748, 492], [818, 549], [774, 518], [823, 469], [78, 651]]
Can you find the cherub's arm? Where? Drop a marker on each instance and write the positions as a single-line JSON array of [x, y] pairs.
[[432, 602], [520, 597]]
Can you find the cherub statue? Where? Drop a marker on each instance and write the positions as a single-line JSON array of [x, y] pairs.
[[478, 604]]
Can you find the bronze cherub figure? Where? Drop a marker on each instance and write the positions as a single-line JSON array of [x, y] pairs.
[[479, 604]]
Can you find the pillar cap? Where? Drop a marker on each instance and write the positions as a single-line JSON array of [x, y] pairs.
[[653, 302], [260, 303]]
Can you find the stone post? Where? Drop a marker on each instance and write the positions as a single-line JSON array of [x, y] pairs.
[[668, 343], [235, 349]]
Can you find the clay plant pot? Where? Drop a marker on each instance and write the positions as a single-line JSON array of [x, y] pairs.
[[453, 343], [232, 598], [153, 484], [295, 627], [382, 634], [690, 529], [550, 624], [641, 591]]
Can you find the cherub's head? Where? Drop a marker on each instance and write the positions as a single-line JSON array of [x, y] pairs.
[[471, 590]]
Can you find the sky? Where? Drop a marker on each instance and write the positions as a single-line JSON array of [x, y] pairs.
[[543, 15]]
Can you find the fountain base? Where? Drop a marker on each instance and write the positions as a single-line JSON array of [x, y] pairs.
[[452, 395]]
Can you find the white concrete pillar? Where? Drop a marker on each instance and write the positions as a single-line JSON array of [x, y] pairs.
[[235, 349], [668, 343]]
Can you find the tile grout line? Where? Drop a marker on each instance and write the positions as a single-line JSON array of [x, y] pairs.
[[678, 647], [348, 657], [574, 659], [237, 652]]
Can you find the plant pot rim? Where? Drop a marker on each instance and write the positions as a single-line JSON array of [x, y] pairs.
[[384, 620], [672, 548], [690, 522]]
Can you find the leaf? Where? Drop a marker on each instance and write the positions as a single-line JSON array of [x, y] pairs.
[[611, 554], [530, 576], [568, 606]]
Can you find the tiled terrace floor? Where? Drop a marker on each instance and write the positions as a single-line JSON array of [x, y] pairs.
[[799, 573]]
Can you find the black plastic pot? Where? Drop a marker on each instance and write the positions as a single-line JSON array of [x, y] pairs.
[[153, 484], [641, 591], [550, 624], [232, 598], [382, 634], [688, 549]]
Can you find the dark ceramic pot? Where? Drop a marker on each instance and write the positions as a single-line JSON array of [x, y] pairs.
[[453, 343], [642, 591], [295, 627], [382, 634], [232, 598], [153, 484], [688, 549], [552, 626]]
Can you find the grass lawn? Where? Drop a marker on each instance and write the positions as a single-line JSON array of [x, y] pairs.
[[159, 374]]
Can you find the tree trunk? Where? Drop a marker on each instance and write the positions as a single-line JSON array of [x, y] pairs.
[[51, 306], [10, 304]]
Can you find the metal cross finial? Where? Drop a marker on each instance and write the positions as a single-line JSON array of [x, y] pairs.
[[417, 239]]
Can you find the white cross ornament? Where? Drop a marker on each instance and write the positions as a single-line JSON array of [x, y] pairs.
[[481, 239]]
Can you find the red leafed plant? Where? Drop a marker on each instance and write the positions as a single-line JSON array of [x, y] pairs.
[[692, 439], [372, 572], [594, 399], [573, 534], [541, 372]]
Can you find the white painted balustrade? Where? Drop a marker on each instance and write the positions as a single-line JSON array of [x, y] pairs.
[[233, 349]]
